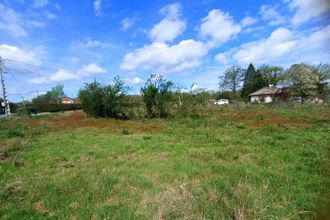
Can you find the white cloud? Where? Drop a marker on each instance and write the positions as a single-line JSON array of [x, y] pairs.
[[308, 9], [66, 75], [97, 4], [248, 21], [160, 56], [134, 81], [171, 11], [39, 80], [90, 69], [127, 23], [282, 47], [170, 27], [89, 43], [313, 48], [18, 54], [15, 23], [11, 22], [74, 60], [280, 42], [270, 13], [63, 75], [50, 16], [39, 3], [37, 24], [221, 58], [218, 27]]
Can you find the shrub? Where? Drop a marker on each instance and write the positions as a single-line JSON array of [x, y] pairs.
[[104, 101], [157, 95]]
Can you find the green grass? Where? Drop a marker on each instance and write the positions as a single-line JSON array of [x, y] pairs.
[[229, 163]]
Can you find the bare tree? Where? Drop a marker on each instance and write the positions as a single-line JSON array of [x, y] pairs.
[[231, 78]]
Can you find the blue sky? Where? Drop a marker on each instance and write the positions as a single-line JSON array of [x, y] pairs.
[[188, 41]]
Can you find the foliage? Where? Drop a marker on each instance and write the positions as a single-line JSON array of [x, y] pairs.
[[302, 80], [323, 72], [49, 107], [232, 78], [53, 96], [253, 80], [271, 74], [104, 101], [247, 83], [157, 95], [13, 107], [226, 95]]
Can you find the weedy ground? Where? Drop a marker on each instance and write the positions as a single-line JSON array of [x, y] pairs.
[[255, 162]]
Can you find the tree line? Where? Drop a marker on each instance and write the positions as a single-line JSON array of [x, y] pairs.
[[162, 98], [302, 80]]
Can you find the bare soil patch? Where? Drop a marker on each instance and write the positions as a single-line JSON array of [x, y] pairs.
[[79, 120], [261, 118]]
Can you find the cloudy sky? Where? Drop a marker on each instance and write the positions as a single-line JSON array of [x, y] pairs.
[[46, 43]]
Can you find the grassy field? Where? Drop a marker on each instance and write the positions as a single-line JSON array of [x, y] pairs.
[[254, 162]]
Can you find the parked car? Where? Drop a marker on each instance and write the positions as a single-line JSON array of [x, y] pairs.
[[222, 102]]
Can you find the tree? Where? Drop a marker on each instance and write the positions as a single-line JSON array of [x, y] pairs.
[[232, 78], [55, 94], [157, 93], [323, 72], [253, 80], [104, 101], [51, 97], [271, 74], [303, 80]]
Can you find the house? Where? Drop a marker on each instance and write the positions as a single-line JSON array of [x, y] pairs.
[[2, 107], [222, 102], [66, 100], [269, 94]]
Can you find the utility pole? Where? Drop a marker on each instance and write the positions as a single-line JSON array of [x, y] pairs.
[[7, 108]]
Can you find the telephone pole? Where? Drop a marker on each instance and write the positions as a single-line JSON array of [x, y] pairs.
[[7, 108]]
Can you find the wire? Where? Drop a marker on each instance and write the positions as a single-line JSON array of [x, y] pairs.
[[33, 65], [21, 69]]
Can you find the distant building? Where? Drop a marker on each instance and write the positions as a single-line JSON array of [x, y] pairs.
[[66, 100], [269, 94]]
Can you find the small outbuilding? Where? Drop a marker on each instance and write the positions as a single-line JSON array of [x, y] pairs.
[[268, 94]]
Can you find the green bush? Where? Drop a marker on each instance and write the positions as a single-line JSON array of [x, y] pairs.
[[104, 101], [157, 95]]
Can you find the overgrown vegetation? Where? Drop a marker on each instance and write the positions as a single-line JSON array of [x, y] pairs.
[[51, 97], [251, 162], [104, 101], [157, 94]]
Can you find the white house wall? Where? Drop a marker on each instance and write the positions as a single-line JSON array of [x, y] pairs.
[[261, 99]]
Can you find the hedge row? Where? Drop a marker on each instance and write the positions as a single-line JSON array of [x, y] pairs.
[[55, 107]]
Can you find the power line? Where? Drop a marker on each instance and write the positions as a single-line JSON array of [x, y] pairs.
[[33, 65], [21, 69]]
